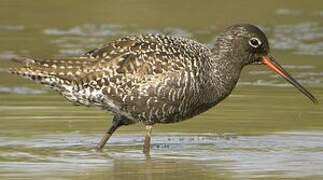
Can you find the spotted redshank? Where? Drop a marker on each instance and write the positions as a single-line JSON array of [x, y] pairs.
[[155, 78]]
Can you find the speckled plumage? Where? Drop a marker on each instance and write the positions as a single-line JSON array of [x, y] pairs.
[[150, 78], [155, 78]]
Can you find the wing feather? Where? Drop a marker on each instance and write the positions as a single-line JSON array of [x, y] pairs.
[[146, 71]]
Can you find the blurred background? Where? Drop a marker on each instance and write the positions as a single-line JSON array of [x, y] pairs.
[[265, 129]]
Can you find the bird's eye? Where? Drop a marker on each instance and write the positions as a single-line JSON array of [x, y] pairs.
[[254, 42]]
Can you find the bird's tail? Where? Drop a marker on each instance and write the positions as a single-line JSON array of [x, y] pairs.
[[54, 73], [30, 69]]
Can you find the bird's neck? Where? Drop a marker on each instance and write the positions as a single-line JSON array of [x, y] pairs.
[[224, 73]]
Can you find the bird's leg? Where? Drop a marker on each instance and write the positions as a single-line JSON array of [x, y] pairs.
[[148, 130], [115, 124]]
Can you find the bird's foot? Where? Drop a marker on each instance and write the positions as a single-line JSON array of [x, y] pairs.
[[98, 148], [147, 141]]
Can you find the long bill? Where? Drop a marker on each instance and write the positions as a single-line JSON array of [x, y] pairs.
[[274, 66]]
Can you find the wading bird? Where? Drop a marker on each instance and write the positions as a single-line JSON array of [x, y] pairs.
[[155, 78]]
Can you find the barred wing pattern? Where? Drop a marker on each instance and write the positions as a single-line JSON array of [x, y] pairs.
[[150, 78]]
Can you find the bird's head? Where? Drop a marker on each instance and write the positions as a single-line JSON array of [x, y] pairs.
[[249, 46]]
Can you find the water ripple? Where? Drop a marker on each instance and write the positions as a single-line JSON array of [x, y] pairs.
[[21, 90], [246, 156], [87, 30], [289, 12], [304, 38], [14, 28]]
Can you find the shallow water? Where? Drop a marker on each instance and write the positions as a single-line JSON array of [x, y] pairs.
[[264, 130], [207, 156]]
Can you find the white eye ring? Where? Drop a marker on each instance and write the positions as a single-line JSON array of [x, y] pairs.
[[254, 42]]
